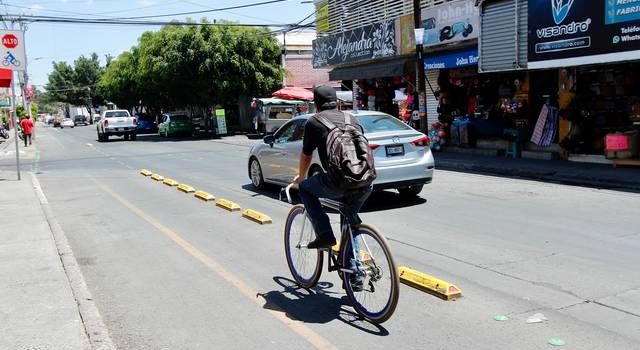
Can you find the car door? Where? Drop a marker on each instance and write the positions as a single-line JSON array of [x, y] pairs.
[[273, 157], [292, 150]]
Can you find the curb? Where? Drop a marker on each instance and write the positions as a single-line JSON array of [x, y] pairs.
[[548, 176], [96, 331]]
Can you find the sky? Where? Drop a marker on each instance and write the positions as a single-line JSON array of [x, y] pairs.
[[48, 42]]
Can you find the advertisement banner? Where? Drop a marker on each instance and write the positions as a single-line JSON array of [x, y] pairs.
[[452, 60], [322, 15], [450, 22], [222, 122], [13, 51], [376, 40], [576, 32]]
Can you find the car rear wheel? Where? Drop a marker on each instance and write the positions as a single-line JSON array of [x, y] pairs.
[[256, 174], [127, 137], [411, 191], [134, 136]]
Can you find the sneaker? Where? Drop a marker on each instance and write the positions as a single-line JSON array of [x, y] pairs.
[[357, 284], [322, 242]]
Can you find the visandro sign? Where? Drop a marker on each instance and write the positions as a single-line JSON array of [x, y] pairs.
[[369, 42], [576, 32]]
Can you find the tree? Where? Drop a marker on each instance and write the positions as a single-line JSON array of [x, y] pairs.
[[76, 85], [197, 66]]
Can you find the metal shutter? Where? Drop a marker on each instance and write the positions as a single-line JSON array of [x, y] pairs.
[[432, 102], [498, 48]]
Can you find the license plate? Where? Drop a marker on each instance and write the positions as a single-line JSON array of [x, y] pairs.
[[396, 150]]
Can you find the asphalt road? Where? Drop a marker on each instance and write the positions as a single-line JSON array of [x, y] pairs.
[[168, 271]]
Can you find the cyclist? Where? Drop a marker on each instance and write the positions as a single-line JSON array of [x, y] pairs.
[[321, 185]]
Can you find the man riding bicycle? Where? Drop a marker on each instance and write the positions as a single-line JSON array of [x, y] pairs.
[[322, 185]]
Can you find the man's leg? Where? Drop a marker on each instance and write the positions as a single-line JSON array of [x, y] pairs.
[[311, 190], [29, 137], [24, 136], [356, 201]]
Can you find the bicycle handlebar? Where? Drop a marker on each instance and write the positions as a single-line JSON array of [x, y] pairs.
[[287, 191]]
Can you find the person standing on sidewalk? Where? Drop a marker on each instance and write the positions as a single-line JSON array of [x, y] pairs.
[[27, 128]]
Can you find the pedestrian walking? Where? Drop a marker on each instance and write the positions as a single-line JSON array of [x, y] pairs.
[[27, 129]]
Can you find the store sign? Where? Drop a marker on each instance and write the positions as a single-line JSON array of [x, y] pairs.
[[450, 22], [222, 122], [12, 53], [452, 60], [576, 32], [322, 15], [367, 43]]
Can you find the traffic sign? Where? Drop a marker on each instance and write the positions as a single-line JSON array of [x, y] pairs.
[[13, 54]]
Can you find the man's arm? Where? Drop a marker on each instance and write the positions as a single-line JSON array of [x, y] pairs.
[[305, 161], [308, 145]]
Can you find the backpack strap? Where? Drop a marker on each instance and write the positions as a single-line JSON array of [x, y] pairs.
[[347, 120], [324, 121]]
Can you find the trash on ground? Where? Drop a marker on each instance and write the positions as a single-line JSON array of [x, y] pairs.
[[557, 342], [501, 318], [536, 318]]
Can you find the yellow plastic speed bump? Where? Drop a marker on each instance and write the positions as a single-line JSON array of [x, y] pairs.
[[146, 172], [205, 196], [256, 216], [226, 204], [434, 286], [186, 188], [157, 177], [170, 182]]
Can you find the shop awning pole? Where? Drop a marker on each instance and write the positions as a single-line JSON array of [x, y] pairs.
[[420, 74], [15, 124]]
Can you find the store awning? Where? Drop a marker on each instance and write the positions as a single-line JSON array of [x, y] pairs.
[[384, 69], [6, 75]]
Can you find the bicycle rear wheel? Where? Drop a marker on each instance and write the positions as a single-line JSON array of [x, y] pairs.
[[305, 264], [378, 297]]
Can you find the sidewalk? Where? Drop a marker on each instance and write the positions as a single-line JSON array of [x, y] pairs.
[[571, 173], [39, 308]]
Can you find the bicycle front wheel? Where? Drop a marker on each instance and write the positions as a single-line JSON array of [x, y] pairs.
[[374, 287], [305, 264]]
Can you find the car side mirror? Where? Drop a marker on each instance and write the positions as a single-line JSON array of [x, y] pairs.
[[269, 139]]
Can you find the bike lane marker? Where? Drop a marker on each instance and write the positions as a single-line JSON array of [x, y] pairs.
[[313, 338], [170, 182], [205, 196], [429, 284], [186, 188], [227, 204], [256, 216], [157, 177]]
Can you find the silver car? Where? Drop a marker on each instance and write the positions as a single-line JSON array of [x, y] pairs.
[[402, 156]]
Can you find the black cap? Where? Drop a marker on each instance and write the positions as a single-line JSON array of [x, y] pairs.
[[324, 97]]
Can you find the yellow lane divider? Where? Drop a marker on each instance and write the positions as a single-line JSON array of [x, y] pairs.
[[157, 177], [256, 216], [170, 182], [429, 284], [186, 188], [205, 196], [146, 172], [226, 204]]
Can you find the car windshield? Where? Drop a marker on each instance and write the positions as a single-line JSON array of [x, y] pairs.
[[381, 123], [116, 114], [179, 118]]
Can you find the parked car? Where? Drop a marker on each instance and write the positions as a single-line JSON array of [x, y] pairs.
[[67, 122], [173, 124], [80, 119], [116, 123], [146, 124], [402, 156]]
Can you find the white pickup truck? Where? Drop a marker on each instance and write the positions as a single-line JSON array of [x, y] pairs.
[[116, 123]]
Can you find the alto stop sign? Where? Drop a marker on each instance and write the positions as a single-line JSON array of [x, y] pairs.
[[10, 41]]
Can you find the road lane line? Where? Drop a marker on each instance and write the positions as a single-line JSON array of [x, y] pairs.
[[298, 327]]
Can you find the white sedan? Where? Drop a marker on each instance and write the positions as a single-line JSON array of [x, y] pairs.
[[402, 156], [67, 122]]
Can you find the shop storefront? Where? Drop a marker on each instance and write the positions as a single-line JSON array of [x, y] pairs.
[[375, 61], [594, 49]]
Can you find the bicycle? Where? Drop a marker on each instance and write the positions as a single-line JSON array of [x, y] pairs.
[[373, 264]]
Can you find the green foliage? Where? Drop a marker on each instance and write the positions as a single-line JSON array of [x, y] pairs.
[[76, 84], [180, 66], [21, 112], [35, 109]]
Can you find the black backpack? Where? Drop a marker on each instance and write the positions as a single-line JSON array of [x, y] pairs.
[[350, 160]]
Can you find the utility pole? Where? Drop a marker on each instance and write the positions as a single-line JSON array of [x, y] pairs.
[[420, 75]]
